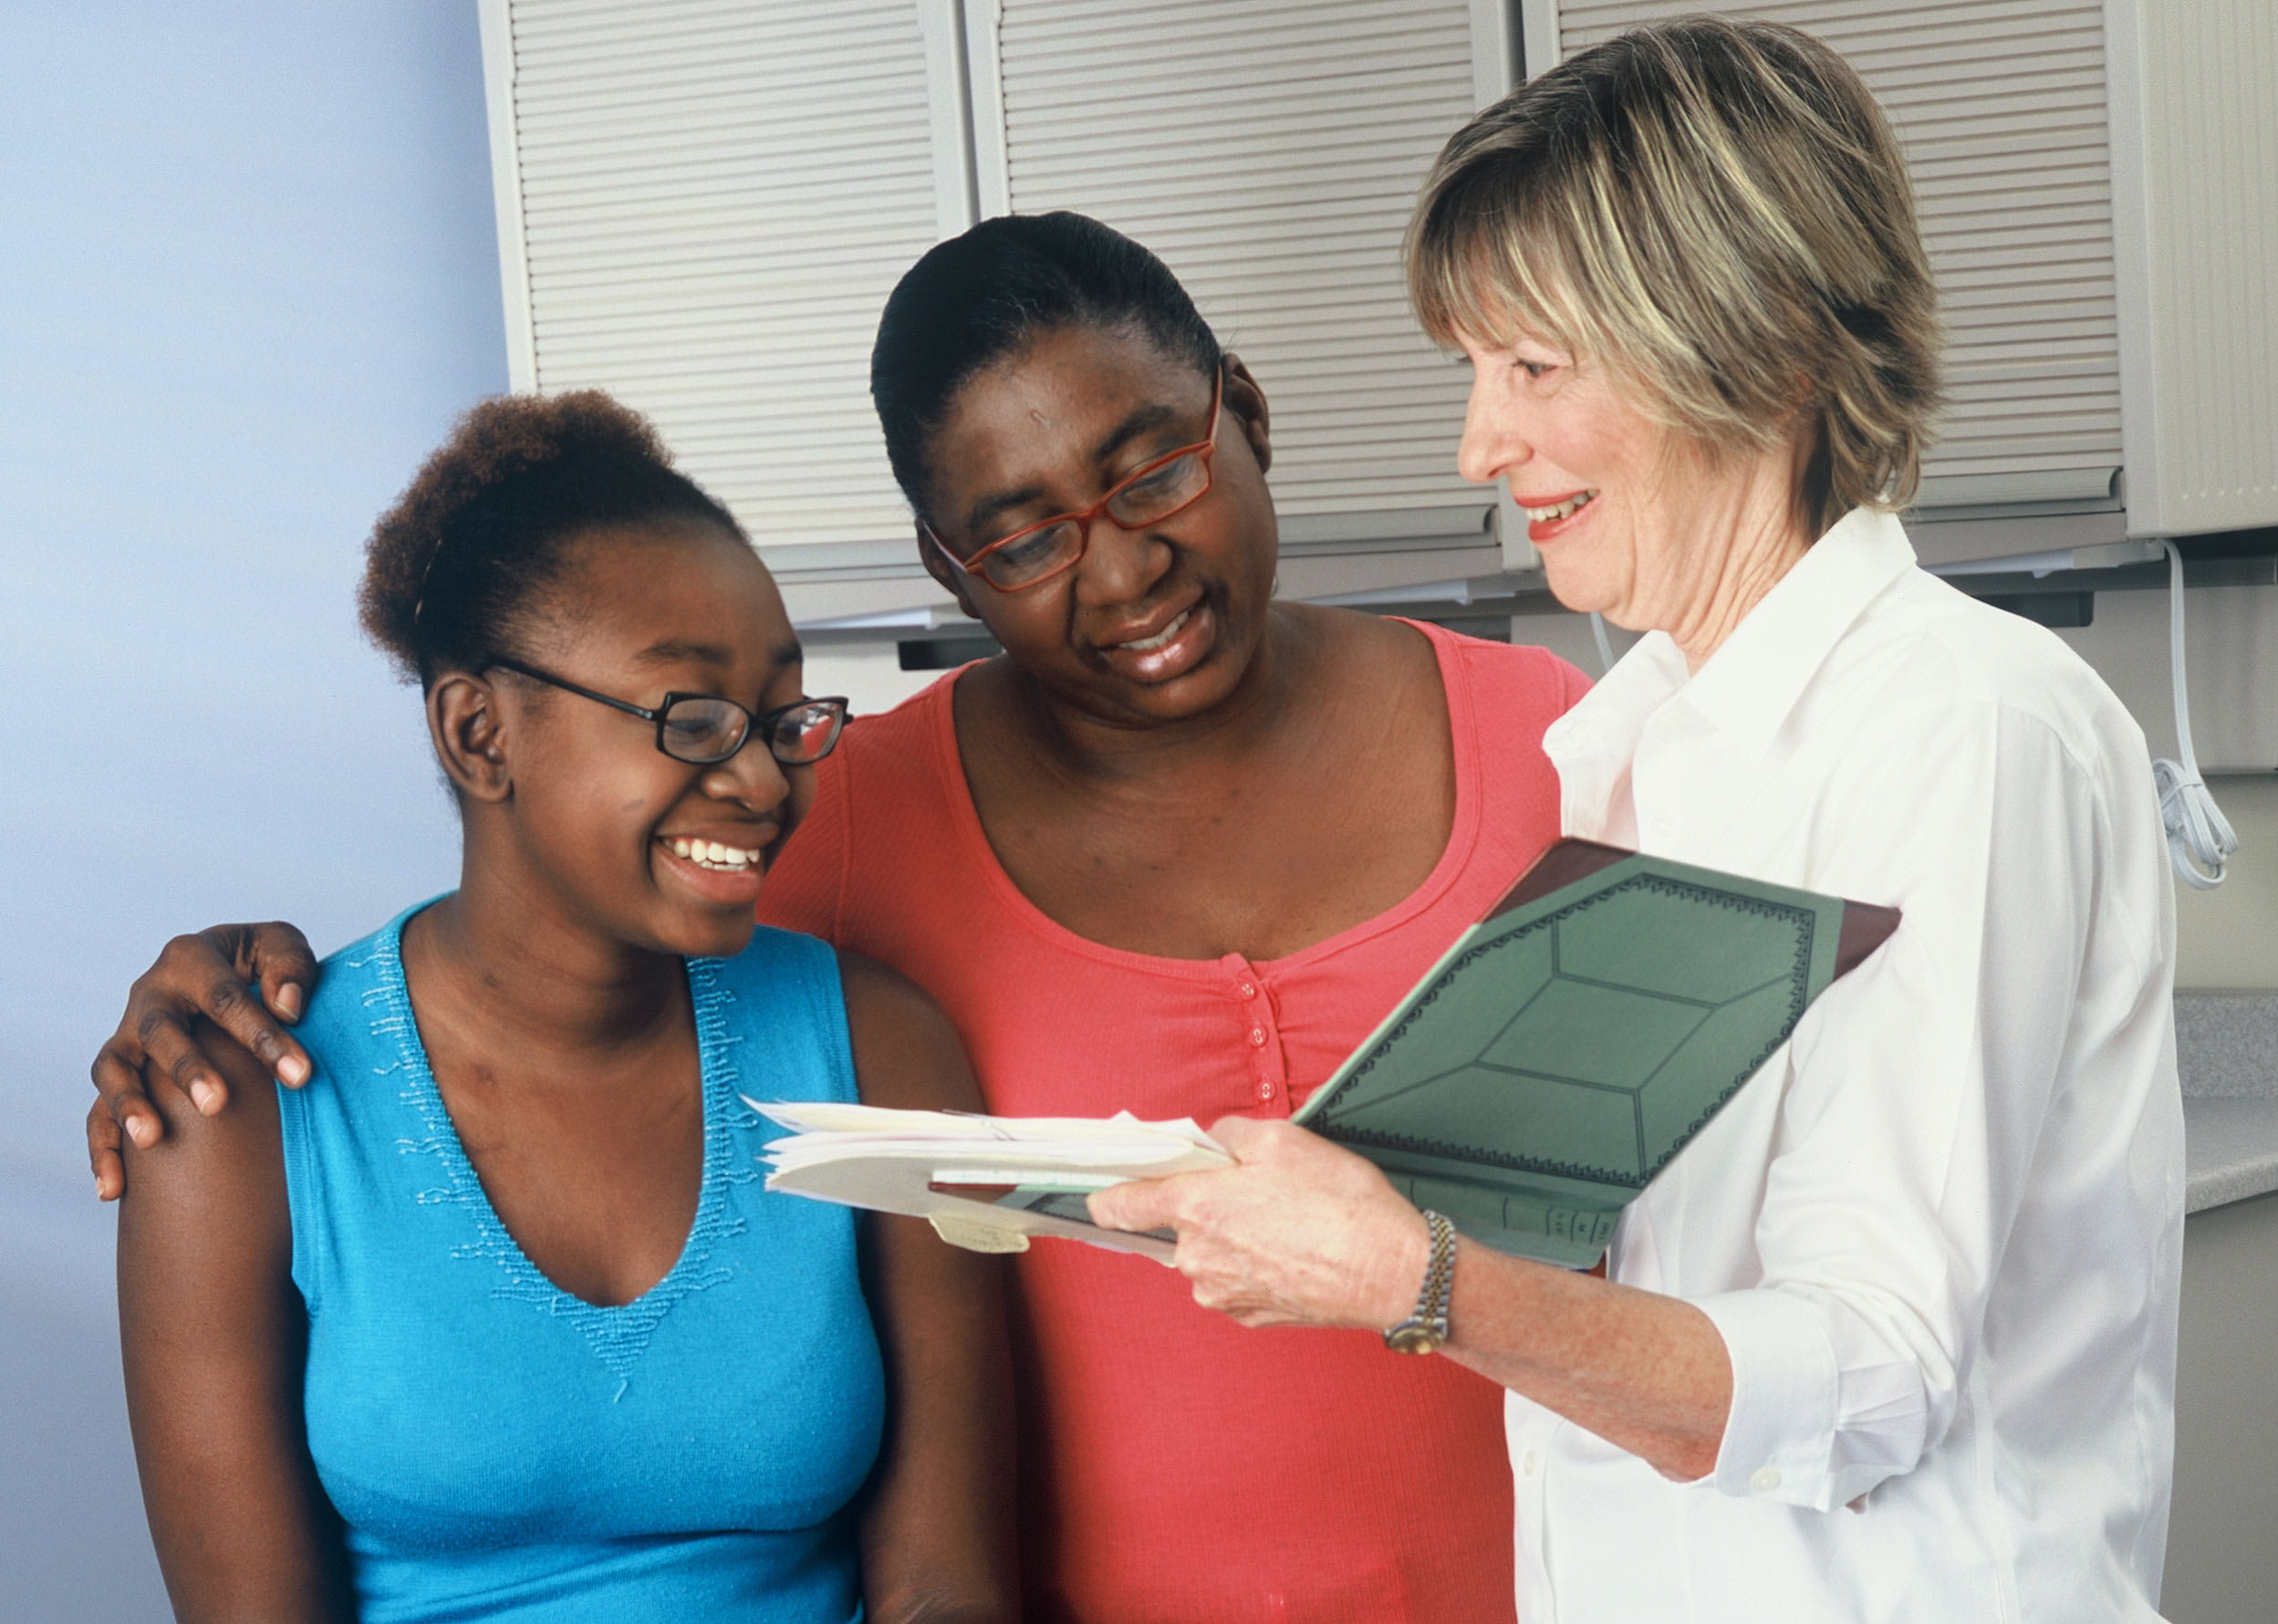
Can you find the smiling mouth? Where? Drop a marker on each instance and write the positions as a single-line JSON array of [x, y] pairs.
[[712, 855], [1559, 510], [1148, 645]]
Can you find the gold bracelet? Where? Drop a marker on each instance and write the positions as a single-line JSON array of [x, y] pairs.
[[1426, 1329]]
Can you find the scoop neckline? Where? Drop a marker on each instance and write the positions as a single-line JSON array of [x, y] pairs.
[[1463, 835], [428, 1094]]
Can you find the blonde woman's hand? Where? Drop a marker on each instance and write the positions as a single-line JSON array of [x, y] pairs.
[[1299, 1231]]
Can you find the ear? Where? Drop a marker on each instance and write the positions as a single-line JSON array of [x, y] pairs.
[[464, 723], [1246, 400], [955, 582]]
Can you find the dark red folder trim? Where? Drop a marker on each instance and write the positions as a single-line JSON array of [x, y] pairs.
[[1864, 928]]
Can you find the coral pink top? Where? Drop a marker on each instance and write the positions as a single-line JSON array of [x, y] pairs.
[[1176, 1466]]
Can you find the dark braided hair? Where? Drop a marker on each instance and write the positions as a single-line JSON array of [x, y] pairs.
[[983, 297], [455, 567]]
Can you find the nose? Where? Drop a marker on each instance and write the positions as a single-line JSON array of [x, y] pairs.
[[1121, 565], [752, 778], [1493, 443]]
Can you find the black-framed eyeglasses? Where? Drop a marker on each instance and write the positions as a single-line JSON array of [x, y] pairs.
[[1036, 553], [705, 730]]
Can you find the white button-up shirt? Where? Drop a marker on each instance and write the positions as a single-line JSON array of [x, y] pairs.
[[1940, 1232]]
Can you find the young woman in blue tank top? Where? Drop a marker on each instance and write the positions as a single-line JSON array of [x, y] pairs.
[[493, 1318]]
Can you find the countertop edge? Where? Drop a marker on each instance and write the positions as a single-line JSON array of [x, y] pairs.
[[2229, 1149], [2226, 1051]]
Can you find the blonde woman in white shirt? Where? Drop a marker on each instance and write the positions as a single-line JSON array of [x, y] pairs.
[[1895, 1336]]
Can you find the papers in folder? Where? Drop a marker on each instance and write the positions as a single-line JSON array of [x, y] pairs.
[[985, 1183]]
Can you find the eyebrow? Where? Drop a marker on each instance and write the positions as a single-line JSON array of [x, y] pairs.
[[1140, 420], [674, 651]]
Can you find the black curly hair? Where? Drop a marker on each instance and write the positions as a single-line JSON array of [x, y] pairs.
[[455, 567]]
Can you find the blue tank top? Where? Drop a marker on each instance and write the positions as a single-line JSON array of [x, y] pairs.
[[502, 1450]]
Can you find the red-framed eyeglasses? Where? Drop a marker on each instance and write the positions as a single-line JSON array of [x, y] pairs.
[[1035, 553]]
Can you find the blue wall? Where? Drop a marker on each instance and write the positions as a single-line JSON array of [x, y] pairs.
[[248, 273]]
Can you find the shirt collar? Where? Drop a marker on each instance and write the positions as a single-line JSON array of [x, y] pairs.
[[1748, 685]]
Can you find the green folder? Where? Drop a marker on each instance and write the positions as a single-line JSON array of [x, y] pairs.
[[1571, 1043]]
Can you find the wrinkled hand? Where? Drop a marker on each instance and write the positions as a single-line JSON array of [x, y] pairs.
[[1299, 1231], [212, 976]]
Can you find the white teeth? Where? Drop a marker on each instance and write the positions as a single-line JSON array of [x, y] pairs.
[[1574, 504], [712, 854], [1148, 645]]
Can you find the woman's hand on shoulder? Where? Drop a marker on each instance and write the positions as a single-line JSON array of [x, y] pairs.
[[208, 977]]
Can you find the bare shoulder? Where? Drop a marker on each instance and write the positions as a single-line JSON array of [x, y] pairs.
[[1381, 649], [1374, 654], [1357, 634], [232, 1162], [211, 1338], [907, 1052], [878, 991], [205, 1233]]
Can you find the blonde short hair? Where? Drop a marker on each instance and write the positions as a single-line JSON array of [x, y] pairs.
[[1718, 212]]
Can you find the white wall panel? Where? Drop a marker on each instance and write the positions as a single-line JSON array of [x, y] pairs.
[[712, 200], [2195, 86]]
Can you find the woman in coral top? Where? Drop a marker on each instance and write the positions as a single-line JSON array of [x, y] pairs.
[[1176, 850]]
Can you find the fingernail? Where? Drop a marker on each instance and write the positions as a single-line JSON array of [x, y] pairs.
[[288, 1001], [141, 1131], [202, 1095], [292, 1071]]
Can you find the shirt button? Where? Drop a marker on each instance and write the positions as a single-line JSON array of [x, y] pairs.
[[1664, 827], [1257, 1037], [1265, 1090], [1248, 989], [1526, 1464], [1764, 1480]]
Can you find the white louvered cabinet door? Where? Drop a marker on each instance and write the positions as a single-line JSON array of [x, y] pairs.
[[713, 198], [2197, 139], [1269, 152], [2001, 107]]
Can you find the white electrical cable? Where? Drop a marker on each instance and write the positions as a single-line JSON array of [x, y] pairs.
[[2199, 838], [1605, 643]]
